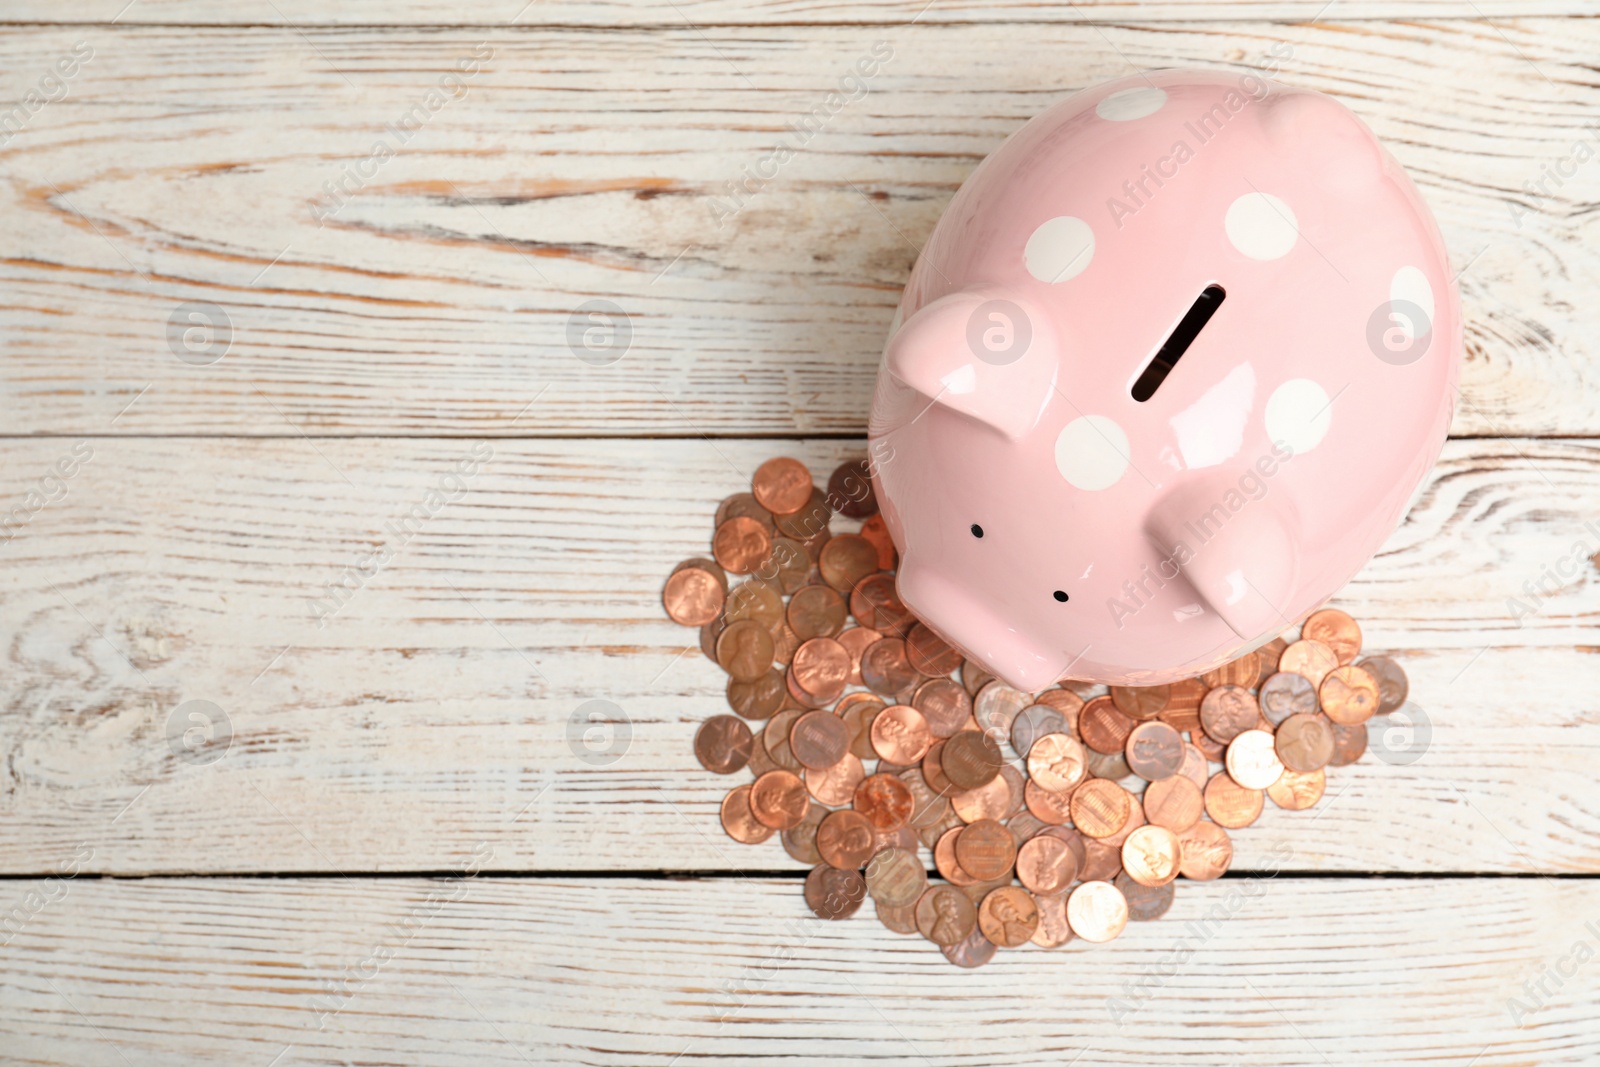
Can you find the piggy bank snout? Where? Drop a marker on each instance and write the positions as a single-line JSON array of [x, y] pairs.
[[968, 622]]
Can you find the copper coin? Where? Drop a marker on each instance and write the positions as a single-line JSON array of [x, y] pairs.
[[1100, 808], [692, 596], [740, 544], [885, 669], [1305, 742], [1145, 902], [1151, 855], [944, 858], [775, 738], [1032, 723], [901, 920], [1175, 803], [877, 531], [1102, 727], [904, 837], [835, 785], [742, 504], [1285, 694], [1267, 656], [974, 676], [1228, 711], [1112, 768], [1057, 763], [1349, 695], [1182, 712], [745, 650], [787, 566], [986, 849], [900, 734], [945, 916], [877, 605], [1052, 808], [779, 799], [1101, 861], [1393, 688], [1097, 911], [1195, 767], [927, 807], [1154, 751], [722, 744], [761, 760], [896, 877], [1210, 749], [929, 654], [845, 839], [1046, 865], [740, 821], [1141, 702], [1252, 760], [933, 771], [800, 840], [819, 739], [1243, 671], [993, 800], [1054, 930], [1136, 819], [850, 490], [821, 668], [709, 634], [1310, 659], [1296, 790], [785, 643], [1008, 917], [969, 759], [1335, 629], [757, 600], [855, 640], [971, 952], [782, 485], [817, 611], [798, 697], [759, 699], [858, 716], [996, 708], [1065, 701], [885, 800], [832, 893], [809, 525], [1231, 804], [845, 560], [1349, 744], [945, 705], [1207, 851]]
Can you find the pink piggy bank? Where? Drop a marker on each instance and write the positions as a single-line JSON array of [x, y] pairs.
[[1170, 369]]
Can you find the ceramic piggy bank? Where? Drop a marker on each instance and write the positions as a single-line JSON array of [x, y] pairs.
[[1171, 367]]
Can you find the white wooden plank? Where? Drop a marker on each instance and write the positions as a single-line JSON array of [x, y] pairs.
[[432, 711], [184, 165], [1297, 974]]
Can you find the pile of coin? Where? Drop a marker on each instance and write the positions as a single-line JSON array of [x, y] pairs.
[[1048, 815]]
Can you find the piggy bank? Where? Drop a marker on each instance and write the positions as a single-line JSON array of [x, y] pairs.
[[1171, 367]]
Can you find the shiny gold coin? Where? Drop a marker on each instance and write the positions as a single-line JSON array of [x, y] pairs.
[[1296, 790], [1100, 808], [1312, 660], [1231, 804], [1097, 911], [1008, 917], [1151, 855], [1349, 695], [1252, 760], [1335, 629]]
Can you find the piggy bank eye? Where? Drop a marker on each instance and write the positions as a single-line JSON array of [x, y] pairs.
[[977, 531], [1060, 596]]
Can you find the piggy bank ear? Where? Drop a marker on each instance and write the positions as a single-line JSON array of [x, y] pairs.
[[985, 353]]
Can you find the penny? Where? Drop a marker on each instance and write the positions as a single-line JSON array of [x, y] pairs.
[[850, 490], [1285, 694], [996, 708], [1052, 808], [821, 668], [945, 705], [845, 560], [1151, 855], [1097, 911], [1231, 804], [876, 531], [775, 739], [819, 739], [1102, 727], [845, 839], [740, 544], [1349, 744], [1032, 723], [1349, 695], [1141, 702], [1101, 861], [1065, 701], [1206, 850], [944, 858], [933, 771], [1154, 751], [974, 676], [1252, 760], [855, 640], [885, 669], [1310, 659], [756, 600], [1046, 865], [1335, 629], [877, 606], [788, 566], [985, 849], [971, 952], [1305, 742], [896, 877], [1054, 930], [1297, 790], [903, 838], [710, 567], [1210, 749], [1057, 763], [782, 485], [779, 799], [902, 920], [835, 785], [1228, 711], [969, 759], [709, 634], [945, 916], [722, 744], [1195, 767], [1182, 712], [900, 734], [800, 840], [745, 505], [1008, 917], [809, 525], [885, 800], [785, 642], [1145, 902], [745, 650], [1113, 767], [1136, 819], [1100, 808], [817, 611], [1175, 803], [1243, 671], [1393, 688], [832, 893], [761, 760], [692, 597], [740, 821], [927, 807], [992, 800], [929, 654]]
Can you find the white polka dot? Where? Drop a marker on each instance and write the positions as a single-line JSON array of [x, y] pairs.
[[1298, 414], [1059, 249], [1261, 226], [1131, 104], [1092, 452], [1411, 286]]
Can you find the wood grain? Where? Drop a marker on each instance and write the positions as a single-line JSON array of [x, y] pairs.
[[433, 709], [1269, 972], [186, 164]]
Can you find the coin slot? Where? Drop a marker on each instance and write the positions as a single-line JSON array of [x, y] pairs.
[[1172, 350]]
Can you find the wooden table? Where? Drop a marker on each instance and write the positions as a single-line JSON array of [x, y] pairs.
[[401, 856]]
